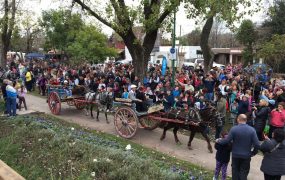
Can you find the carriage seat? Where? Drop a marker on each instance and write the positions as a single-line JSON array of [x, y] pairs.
[[155, 108], [123, 100]]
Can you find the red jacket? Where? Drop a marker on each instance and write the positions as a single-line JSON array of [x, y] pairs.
[[277, 118]]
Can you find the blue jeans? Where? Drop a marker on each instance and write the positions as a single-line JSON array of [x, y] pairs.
[[11, 106], [209, 96]]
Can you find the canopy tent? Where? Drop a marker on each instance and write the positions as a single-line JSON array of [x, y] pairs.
[[34, 56], [262, 68]]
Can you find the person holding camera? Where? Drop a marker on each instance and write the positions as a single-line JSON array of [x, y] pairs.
[[261, 115]]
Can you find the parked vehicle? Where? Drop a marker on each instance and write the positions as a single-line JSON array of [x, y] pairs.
[[123, 62], [195, 63]]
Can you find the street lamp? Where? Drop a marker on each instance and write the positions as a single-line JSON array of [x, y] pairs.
[[173, 47]]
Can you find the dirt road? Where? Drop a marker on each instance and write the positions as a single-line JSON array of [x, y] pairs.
[[199, 155]]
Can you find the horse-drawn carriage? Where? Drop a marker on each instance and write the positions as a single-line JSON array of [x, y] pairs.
[[58, 94], [127, 119]]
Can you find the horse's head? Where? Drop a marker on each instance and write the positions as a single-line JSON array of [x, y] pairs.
[[90, 96], [109, 99]]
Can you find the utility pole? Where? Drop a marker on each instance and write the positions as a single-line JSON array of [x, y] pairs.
[[173, 47]]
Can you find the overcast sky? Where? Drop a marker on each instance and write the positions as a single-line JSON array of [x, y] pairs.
[[37, 6]]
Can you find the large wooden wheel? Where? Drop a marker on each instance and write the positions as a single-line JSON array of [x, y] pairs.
[[80, 104], [54, 103], [148, 123], [126, 122]]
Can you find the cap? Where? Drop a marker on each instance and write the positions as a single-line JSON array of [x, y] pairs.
[[133, 86]]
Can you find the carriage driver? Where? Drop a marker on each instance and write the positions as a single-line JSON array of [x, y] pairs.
[[132, 94], [137, 98]]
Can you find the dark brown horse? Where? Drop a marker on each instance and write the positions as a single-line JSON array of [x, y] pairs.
[[195, 121]]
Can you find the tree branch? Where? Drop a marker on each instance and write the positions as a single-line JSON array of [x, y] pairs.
[[93, 13], [163, 16]]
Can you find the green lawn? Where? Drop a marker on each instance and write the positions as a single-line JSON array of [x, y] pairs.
[[43, 147], [2, 106]]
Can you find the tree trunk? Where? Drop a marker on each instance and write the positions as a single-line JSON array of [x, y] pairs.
[[139, 61], [8, 27], [140, 53], [206, 50]]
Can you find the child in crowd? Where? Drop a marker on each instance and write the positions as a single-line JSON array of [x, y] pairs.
[[222, 158], [125, 94], [42, 84], [22, 91], [234, 111], [67, 89]]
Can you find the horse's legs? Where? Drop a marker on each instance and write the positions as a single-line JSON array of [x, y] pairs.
[[86, 110], [98, 112], [175, 129], [192, 135], [164, 131], [91, 110], [106, 115], [205, 135]]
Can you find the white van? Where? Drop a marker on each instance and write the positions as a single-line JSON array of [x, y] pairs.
[[195, 63]]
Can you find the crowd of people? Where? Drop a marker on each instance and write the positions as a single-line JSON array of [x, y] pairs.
[[239, 93]]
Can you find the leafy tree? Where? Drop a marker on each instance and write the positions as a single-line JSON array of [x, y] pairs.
[[16, 40], [276, 21], [60, 27], [247, 35], [274, 51], [31, 30], [7, 23], [67, 32], [194, 38], [89, 45], [122, 18], [227, 11], [191, 39]]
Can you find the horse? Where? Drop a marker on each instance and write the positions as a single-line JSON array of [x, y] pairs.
[[204, 118], [103, 102]]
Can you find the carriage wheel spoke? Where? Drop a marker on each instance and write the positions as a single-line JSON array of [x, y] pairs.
[[120, 117], [129, 130], [131, 127], [121, 127]]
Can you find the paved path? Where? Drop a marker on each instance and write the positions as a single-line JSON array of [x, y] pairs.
[[199, 155]]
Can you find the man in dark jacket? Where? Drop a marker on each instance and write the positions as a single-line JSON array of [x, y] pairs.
[[243, 138], [222, 110], [243, 105], [273, 163], [280, 96], [261, 114]]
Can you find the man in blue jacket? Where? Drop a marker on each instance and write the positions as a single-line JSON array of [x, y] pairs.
[[243, 138], [11, 99]]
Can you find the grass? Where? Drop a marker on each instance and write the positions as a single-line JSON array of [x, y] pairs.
[[2, 105], [44, 147]]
